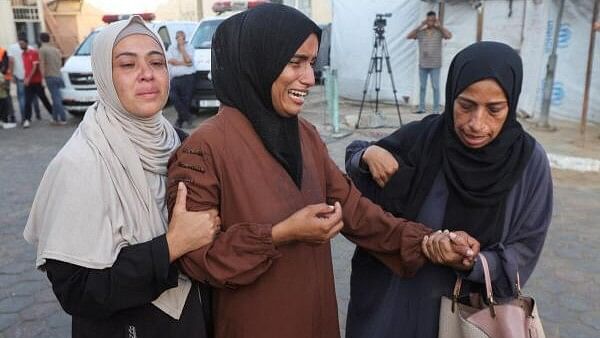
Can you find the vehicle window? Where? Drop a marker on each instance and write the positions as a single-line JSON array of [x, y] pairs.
[[85, 48], [203, 37], [164, 36]]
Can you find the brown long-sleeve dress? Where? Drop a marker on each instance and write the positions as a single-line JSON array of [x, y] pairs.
[[261, 290]]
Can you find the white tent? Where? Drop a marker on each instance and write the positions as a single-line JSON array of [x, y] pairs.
[[529, 29]]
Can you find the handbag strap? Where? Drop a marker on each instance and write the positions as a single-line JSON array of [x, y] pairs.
[[519, 293], [488, 284], [456, 292]]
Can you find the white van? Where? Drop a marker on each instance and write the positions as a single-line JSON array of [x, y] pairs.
[[80, 91], [204, 95]]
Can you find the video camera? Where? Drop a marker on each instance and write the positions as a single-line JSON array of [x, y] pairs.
[[380, 22]]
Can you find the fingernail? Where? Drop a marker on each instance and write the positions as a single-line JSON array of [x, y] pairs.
[[180, 185], [452, 235], [446, 231], [425, 238], [469, 252], [439, 232]]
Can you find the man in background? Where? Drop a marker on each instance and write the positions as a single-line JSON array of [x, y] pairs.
[[181, 69], [50, 63], [32, 81], [429, 34], [15, 54]]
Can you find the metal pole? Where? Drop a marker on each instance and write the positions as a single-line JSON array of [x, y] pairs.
[[523, 26], [441, 11], [335, 102], [328, 90], [480, 21], [550, 70], [588, 73]]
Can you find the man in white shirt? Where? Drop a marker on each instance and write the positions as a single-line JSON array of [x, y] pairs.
[[181, 69], [15, 55]]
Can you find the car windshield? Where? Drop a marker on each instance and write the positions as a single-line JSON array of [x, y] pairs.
[[86, 46], [203, 37]]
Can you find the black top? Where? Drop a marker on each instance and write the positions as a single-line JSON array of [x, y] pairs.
[[479, 180], [249, 51], [116, 301]]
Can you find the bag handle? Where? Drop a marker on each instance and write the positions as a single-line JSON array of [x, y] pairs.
[[488, 287], [488, 284]]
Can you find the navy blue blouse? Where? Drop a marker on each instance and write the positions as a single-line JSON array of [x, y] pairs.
[[384, 305]]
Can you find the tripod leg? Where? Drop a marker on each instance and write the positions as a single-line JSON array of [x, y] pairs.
[[378, 82], [372, 66], [389, 69]]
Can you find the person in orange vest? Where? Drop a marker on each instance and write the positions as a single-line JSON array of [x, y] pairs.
[[7, 116]]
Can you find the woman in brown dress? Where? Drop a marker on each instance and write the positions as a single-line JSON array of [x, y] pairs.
[[258, 163]]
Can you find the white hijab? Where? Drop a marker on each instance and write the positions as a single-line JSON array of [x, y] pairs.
[[106, 187]]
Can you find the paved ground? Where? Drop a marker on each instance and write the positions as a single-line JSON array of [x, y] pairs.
[[566, 281]]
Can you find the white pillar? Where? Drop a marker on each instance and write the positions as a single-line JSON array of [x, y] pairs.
[[8, 32]]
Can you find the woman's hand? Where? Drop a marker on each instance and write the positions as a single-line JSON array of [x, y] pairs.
[[315, 223], [455, 249], [189, 230], [381, 163]]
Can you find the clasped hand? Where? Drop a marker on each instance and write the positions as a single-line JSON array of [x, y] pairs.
[[315, 224], [456, 249]]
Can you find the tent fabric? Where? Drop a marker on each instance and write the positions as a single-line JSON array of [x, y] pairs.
[[529, 29]]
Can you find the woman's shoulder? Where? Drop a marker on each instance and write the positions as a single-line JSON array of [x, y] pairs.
[[538, 167], [309, 133], [77, 153], [209, 132], [539, 158], [304, 124]]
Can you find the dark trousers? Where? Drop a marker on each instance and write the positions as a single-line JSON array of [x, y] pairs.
[[31, 91], [7, 112], [21, 98], [54, 84], [182, 90], [5, 109]]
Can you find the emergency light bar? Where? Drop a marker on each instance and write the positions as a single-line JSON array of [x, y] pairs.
[[116, 17], [225, 6]]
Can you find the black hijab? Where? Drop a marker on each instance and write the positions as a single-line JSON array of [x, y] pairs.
[[478, 180], [249, 51]]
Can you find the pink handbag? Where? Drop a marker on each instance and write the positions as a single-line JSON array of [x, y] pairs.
[[517, 318]]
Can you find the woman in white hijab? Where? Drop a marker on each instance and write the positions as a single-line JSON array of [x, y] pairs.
[[99, 217]]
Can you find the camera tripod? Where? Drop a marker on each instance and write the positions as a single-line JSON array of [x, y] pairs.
[[378, 55]]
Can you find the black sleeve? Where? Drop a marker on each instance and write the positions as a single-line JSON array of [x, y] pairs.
[[138, 276], [181, 134]]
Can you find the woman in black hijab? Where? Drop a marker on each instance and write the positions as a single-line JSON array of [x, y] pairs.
[[279, 195], [472, 168]]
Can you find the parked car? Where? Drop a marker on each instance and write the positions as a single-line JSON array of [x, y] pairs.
[[80, 90], [205, 98], [323, 59], [204, 95]]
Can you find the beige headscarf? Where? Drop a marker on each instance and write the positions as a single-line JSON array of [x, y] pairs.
[[105, 189]]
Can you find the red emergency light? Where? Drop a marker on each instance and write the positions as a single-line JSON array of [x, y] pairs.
[[225, 6], [116, 17]]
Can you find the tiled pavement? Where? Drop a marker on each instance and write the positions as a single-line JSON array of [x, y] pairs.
[[565, 283]]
